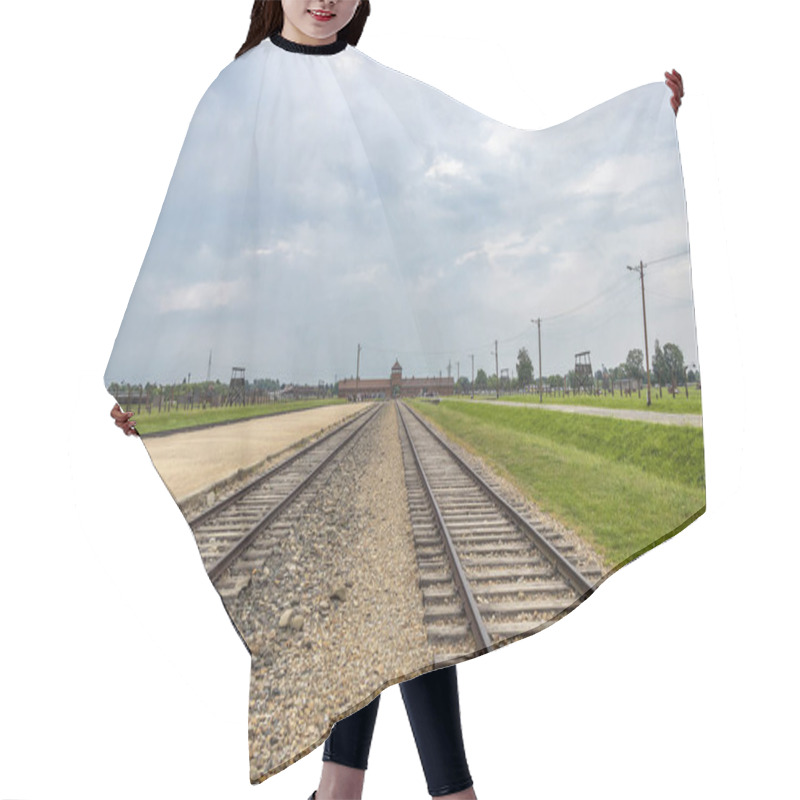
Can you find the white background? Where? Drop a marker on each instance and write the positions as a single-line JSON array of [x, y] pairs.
[[121, 676]]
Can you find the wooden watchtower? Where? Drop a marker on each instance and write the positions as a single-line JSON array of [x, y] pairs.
[[584, 378], [236, 390]]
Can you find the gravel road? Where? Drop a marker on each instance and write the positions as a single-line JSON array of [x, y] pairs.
[[192, 462], [658, 417]]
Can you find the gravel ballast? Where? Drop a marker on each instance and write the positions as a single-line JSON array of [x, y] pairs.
[[334, 614]]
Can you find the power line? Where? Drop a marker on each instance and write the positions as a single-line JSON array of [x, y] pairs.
[[667, 258], [615, 289]]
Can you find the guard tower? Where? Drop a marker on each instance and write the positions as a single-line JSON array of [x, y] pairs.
[[584, 379], [396, 380], [236, 390]]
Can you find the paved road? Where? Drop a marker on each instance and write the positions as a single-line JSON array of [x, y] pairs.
[[660, 418]]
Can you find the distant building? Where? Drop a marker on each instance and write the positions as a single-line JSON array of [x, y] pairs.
[[297, 392], [395, 386]]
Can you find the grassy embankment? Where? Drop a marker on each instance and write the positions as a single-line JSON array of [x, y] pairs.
[[624, 486], [680, 404], [189, 418]]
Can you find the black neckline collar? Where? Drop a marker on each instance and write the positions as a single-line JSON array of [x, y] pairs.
[[308, 49]]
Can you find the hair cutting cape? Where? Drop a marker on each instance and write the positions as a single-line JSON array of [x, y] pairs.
[[377, 262]]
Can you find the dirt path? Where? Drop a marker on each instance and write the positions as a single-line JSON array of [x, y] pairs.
[[192, 461], [658, 417]]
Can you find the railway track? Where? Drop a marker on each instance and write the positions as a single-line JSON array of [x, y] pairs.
[[487, 573], [228, 533]]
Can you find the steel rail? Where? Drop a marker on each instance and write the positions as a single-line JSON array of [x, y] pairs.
[[471, 611], [225, 561], [576, 580], [272, 472]]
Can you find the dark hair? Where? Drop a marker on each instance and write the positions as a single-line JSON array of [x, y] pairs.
[[266, 18]]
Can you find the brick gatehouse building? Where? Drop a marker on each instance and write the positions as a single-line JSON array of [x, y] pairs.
[[395, 386]]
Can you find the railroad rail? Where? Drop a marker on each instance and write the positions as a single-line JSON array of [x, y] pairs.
[[226, 532], [487, 573]]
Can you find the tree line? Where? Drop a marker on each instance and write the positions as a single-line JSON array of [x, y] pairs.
[[204, 394], [667, 369]]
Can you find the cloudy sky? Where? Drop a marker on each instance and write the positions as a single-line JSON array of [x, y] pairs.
[[320, 203]]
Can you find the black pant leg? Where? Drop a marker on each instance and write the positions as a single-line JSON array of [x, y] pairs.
[[351, 738], [433, 711]]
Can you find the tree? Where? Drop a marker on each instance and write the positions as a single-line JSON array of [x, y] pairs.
[[571, 379], [481, 381], [660, 368], [673, 358], [668, 364], [634, 364], [524, 368], [462, 387]]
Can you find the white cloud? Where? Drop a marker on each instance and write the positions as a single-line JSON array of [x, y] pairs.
[[515, 245], [503, 142], [285, 247], [202, 296], [281, 247], [445, 167], [620, 175], [367, 276]]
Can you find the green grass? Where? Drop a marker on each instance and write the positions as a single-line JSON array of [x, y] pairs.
[[667, 404], [189, 418], [623, 486]]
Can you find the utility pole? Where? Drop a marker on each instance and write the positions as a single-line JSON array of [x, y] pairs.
[[538, 323], [358, 369], [208, 377], [497, 368], [472, 383], [640, 270]]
